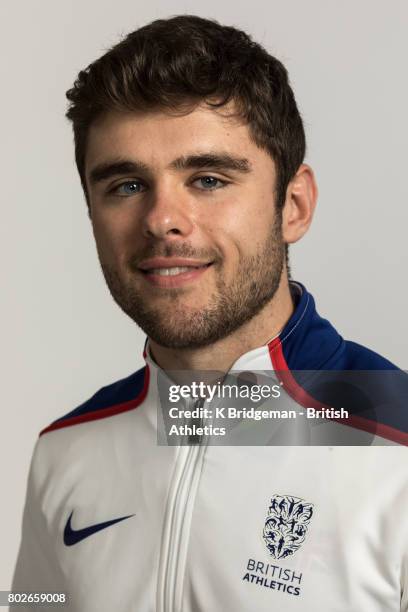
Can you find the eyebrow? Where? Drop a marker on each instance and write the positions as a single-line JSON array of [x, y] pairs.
[[119, 167], [215, 160], [108, 169]]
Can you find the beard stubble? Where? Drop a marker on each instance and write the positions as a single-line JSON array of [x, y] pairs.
[[227, 309]]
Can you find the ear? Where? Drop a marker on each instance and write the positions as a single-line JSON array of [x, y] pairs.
[[300, 203]]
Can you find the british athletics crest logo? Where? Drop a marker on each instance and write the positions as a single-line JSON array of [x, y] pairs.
[[286, 525]]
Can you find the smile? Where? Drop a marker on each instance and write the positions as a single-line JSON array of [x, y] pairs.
[[174, 271], [174, 276]]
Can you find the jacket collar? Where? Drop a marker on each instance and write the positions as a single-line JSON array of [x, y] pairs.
[[306, 342]]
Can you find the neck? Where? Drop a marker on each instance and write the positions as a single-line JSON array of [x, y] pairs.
[[221, 355]]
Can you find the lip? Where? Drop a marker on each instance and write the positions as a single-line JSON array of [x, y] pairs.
[[170, 262], [177, 280]]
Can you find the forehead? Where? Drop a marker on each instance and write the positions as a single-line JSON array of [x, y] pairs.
[[157, 138]]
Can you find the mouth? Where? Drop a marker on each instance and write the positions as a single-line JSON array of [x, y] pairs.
[[174, 270], [174, 276]]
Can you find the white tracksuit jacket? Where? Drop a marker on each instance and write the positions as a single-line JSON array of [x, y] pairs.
[[121, 524]]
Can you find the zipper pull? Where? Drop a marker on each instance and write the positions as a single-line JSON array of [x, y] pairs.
[[194, 439]]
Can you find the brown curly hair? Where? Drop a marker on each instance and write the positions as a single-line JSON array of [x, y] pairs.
[[177, 63]]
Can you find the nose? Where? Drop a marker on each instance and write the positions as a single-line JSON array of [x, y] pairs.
[[168, 213]]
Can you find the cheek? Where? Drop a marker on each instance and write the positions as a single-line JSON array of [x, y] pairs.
[[238, 233], [110, 239]]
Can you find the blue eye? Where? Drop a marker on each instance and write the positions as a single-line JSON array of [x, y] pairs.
[[129, 188], [209, 183]]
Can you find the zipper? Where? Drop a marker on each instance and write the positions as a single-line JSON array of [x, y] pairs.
[[177, 521]]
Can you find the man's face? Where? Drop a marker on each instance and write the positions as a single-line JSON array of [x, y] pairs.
[[186, 228]]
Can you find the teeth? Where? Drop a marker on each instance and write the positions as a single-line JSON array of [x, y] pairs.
[[170, 271]]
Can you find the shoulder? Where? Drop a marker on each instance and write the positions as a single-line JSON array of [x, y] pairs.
[[354, 356], [359, 357], [323, 369], [115, 398], [310, 342]]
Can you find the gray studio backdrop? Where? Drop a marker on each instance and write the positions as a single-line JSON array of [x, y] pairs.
[[63, 337]]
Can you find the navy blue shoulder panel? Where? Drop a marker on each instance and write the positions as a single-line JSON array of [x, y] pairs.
[[358, 357], [379, 396], [119, 392], [341, 373], [310, 342]]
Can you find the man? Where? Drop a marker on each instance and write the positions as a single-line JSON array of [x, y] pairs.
[[190, 150]]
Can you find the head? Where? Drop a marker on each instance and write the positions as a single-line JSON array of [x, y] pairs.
[[203, 125]]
